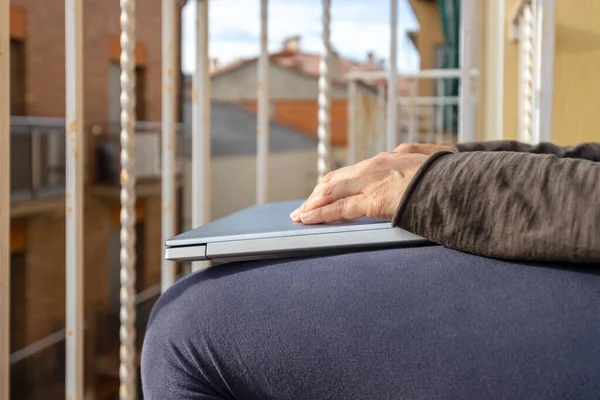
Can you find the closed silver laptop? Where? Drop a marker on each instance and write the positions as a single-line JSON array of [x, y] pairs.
[[266, 231]]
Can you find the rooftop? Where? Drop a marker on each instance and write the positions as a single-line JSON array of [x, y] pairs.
[[291, 56], [233, 131]]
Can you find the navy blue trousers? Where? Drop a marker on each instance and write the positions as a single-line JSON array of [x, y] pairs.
[[418, 323]]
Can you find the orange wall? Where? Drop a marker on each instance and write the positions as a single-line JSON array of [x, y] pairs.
[[303, 116], [18, 23], [18, 237]]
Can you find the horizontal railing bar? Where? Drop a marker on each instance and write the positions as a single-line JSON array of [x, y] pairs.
[[38, 346], [48, 122], [424, 74], [428, 101], [37, 121], [22, 131]]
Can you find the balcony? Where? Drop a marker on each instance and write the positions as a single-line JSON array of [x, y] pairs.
[[37, 164], [107, 147]]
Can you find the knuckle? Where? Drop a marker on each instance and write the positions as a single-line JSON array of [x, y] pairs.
[[328, 177], [376, 161], [406, 148], [327, 189]]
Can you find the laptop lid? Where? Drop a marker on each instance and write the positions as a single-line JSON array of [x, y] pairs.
[[265, 230]]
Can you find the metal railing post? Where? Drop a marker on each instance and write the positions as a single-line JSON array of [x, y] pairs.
[[414, 117], [262, 129], [4, 199], [392, 105], [127, 369], [380, 143], [545, 89], [352, 121], [439, 114], [201, 177], [324, 129], [469, 73], [169, 83], [74, 197]]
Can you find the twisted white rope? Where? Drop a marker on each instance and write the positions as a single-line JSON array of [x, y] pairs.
[[128, 256], [324, 130]]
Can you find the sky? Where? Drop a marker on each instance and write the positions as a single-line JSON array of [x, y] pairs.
[[357, 27]]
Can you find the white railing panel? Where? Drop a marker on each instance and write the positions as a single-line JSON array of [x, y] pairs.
[[419, 118]]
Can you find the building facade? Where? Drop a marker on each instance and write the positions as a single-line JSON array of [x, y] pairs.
[[574, 118], [293, 87], [38, 181]]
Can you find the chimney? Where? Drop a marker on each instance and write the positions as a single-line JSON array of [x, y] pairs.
[[371, 58], [214, 65], [292, 44]]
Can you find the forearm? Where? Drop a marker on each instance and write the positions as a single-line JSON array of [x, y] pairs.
[[587, 151], [507, 205]]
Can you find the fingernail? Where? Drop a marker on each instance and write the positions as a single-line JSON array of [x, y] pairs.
[[294, 215]]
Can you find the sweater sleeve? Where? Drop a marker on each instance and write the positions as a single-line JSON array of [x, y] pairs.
[[587, 151], [507, 205]]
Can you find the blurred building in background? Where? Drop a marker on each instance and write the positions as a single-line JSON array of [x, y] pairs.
[[293, 87], [38, 186]]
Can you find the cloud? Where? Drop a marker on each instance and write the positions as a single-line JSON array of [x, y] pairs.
[[357, 27]]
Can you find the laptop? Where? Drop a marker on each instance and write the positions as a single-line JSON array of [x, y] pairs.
[[265, 231]]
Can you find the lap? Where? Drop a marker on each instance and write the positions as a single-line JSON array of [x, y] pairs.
[[416, 323]]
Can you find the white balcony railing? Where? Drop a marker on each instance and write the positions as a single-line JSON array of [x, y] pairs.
[[73, 150], [432, 117], [533, 27]]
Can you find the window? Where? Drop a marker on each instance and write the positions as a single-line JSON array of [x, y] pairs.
[[140, 92], [17, 301], [18, 321], [17, 77]]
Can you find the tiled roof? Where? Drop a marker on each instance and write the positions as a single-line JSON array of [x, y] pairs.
[[304, 63], [233, 131]]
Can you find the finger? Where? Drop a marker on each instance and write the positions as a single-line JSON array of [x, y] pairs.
[[295, 215], [345, 182], [347, 208], [333, 191], [331, 177], [407, 148]]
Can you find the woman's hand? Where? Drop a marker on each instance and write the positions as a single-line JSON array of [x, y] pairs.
[[423, 148], [371, 188]]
